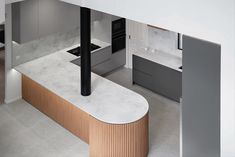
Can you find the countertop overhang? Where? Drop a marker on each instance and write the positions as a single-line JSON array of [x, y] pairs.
[[109, 102]]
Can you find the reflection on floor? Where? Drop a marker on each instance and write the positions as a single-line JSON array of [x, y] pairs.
[[26, 132], [2, 75]]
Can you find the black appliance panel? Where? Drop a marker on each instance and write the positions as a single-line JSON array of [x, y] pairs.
[[119, 26], [77, 51], [118, 35], [118, 43], [2, 36]]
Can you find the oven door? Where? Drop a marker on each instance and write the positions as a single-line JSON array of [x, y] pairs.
[[2, 36], [118, 43], [119, 27]]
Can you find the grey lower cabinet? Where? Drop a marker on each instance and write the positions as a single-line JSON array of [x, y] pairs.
[[103, 61], [158, 78], [117, 59], [97, 57]]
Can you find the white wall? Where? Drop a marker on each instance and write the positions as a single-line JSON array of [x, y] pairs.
[[12, 77], [77, 2], [2, 11], [212, 20], [12, 1]]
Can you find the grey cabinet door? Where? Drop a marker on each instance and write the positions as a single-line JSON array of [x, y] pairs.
[[201, 98], [158, 78], [143, 79], [167, 82], [101, 56], [143, 65], [117, 60]]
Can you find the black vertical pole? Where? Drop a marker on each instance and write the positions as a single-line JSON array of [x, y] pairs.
[[85, 51]]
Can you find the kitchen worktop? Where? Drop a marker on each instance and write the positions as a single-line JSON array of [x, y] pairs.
[[109, 102], [163, 58]]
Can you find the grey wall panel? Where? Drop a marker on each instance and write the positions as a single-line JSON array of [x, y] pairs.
[[16, 22], [36, 19], [25, 21], [29, 20], [55, 16], [201, 98]]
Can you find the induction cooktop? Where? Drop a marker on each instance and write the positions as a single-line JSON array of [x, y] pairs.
[[77, 51]]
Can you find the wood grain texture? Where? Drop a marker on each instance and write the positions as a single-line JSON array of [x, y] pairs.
[[128, 140], [158, 28], [106, 140], [55, 107]]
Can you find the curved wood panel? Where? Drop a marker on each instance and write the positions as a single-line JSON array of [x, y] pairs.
[[55, 107], [127, 140], [106, 140]]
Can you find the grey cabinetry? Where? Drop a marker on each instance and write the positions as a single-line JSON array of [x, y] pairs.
[[116, 60], [201, 98], [103, 61], [34, 19], [25, 21], [97, 57], [158, 78]]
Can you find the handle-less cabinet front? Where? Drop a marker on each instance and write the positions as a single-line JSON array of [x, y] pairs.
[[2, 11], [201, 98], [158, 78], [97, 57]]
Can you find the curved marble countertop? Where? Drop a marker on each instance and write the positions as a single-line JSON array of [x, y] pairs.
[[163, 58], [109, 102]]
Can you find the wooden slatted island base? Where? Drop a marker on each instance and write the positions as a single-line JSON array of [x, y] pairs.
[[104, 139], [113, 120]]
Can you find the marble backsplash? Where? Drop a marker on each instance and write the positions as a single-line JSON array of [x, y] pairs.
[[23, 53], [162, 40]]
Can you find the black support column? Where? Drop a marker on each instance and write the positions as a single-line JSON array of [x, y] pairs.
[[85, 51]]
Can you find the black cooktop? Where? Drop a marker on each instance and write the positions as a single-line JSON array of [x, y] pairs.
[[77, 51]]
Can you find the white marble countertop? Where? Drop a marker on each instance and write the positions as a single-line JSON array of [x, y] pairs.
[[109, 102], [163, 58]]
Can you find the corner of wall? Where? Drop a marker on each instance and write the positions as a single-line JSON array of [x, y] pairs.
[[12, 77]]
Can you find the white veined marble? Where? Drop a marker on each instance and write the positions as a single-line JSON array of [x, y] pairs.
[[109, 102], [163, 58]]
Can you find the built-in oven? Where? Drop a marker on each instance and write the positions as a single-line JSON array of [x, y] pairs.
[[2, 34], [118, 35]]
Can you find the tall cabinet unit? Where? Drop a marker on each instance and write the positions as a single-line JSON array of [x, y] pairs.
[[201, 98], [2, 11]]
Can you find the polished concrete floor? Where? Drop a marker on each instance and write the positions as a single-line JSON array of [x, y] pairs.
[[26, 132]]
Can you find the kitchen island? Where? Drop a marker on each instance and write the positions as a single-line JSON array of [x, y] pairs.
[[113, 119]]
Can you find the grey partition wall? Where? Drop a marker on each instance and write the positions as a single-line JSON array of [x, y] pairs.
[[201, 98]]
